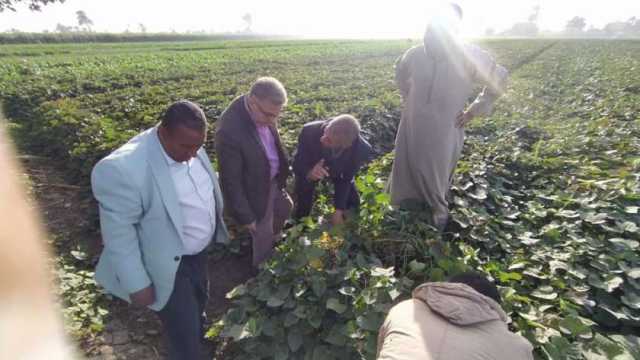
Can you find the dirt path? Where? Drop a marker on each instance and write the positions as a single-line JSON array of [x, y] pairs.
[[69, 214]]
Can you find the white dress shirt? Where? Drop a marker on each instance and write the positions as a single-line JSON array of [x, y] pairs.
[[194, 188]]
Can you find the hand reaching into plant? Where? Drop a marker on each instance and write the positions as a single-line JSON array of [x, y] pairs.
[[337, 218], [318, 172]]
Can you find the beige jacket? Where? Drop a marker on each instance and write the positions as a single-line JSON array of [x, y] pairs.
[[449, 321]]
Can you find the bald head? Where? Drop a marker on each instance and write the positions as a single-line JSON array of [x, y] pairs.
[[343, 130]]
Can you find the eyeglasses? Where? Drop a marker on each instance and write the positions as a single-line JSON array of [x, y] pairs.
[[264, 113]]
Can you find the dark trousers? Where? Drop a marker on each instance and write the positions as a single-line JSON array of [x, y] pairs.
[[183, 315], [304, 193]]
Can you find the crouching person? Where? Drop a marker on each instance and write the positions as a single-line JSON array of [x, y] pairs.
[[332, 149], [459, 319]]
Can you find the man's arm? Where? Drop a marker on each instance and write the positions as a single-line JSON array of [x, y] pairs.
[[231, 163], [120, 209], [301, 162], [403, 76], [362, 153], [488, 73]]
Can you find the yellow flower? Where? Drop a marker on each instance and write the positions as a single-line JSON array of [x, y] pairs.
[[316, 264], [327, 242]]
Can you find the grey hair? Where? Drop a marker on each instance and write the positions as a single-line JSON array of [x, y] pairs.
[[269, 88], [344, 128]]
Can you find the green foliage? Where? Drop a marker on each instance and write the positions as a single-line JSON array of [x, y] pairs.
[[545, 197], [322, 296], [83, 304]]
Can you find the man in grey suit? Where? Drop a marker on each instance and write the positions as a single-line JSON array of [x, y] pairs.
[[160, 207], [254, 165]]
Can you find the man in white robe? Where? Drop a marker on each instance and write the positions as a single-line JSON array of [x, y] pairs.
[[436, 80]]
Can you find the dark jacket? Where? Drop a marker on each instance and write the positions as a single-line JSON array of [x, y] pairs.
[[243, 165], [342, 169]]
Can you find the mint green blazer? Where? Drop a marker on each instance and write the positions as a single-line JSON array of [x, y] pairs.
[[140, 218]]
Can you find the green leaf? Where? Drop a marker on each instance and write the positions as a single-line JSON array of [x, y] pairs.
[[631, 299], [315, 321], [383, 198], [281, 353], [386, 272], [275, 301], [237, 332], [336, 336], [335, 305], [347, 290], [609, 284], [237, 292], [630, 343], [625, 244], [604, 346], [555, 265], [480, 194], [629, 227], [528, 239], [569, 214], [393, 294], [560, 348], [506, 277], [572, 325], [633, 273], [79, 255], [371, 321], [417, 266], [318, 285], [321, 352], [596, 218], [631, 209], [370, 296], [290, 319], [545, 292], [294, 339]]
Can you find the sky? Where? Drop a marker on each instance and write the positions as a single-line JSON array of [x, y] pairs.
[[314, 19]]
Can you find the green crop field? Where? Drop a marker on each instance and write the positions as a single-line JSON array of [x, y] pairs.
[[545, 200]]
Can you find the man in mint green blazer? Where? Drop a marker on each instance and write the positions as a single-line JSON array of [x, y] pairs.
[[160, 208]]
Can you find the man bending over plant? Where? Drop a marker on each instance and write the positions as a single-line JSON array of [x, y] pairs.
[[332, 149]]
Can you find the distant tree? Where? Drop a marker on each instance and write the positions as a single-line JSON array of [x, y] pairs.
[[522, 29], [533, 18], [143, 29], [629, 28], [490, 32], [83, 20], [34, 5], [248, 21], [576, 25], [63, 28], [633, 26], [615, 29], [527, 28]]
